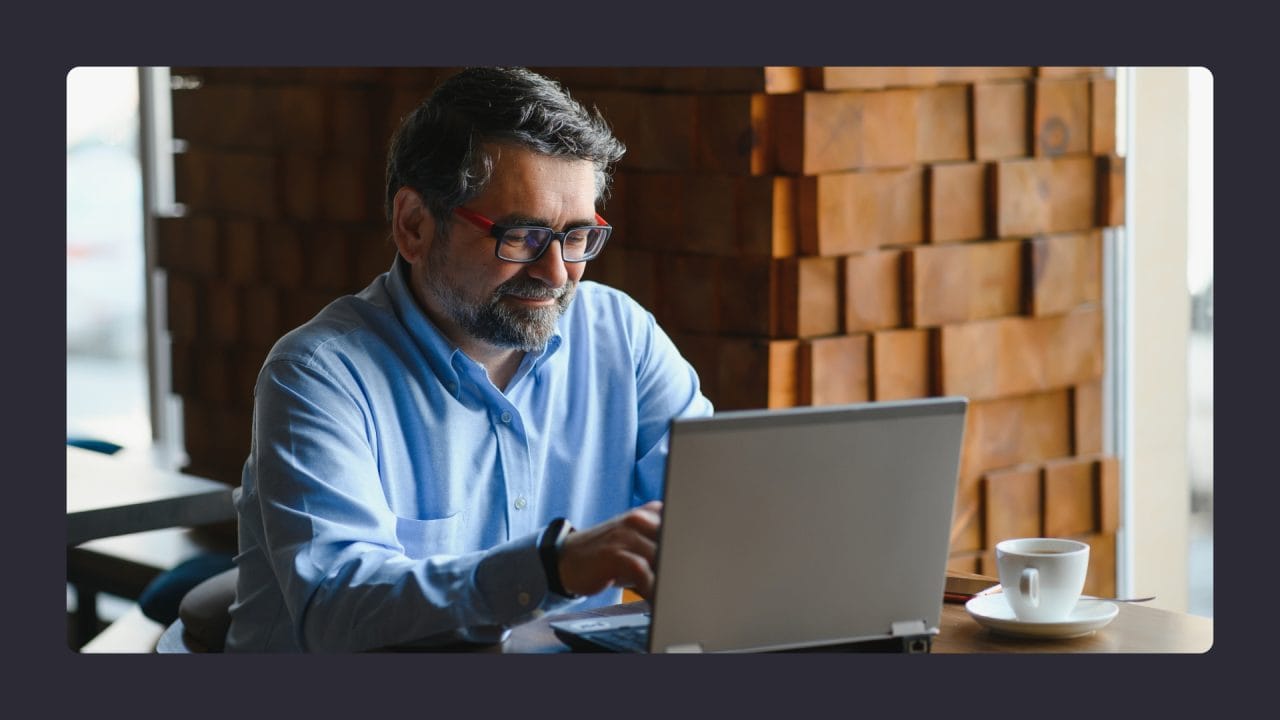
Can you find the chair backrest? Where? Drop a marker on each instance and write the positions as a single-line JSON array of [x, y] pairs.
[[204, 616]]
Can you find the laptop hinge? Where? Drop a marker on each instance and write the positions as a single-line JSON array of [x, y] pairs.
[[907, 627], [685, 648]]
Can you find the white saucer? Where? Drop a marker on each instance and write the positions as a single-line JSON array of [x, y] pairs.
[[993, 611]]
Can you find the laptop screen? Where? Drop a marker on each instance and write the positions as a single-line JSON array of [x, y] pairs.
[[806, 526]]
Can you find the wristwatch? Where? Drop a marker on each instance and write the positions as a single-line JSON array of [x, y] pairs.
[[549, 551]]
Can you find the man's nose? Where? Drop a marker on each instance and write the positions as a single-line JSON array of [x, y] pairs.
[[550, 267]]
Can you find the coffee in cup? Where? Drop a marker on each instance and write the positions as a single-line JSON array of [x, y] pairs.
[[1042, 578]]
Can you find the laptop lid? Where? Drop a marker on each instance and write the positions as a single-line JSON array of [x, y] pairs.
[[803, 527]]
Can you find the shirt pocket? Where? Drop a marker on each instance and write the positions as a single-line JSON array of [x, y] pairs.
[[423, 538]]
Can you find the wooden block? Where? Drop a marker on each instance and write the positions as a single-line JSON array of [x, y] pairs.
[[1063, 272], [711, 222], [240, 251], [870, 78], [1102, 134], [1012, 501], [327, 259], [222, 312], [245, 184], [942, 124], [182, 368], [1100, 579], [962, 282], [373, 251], [768, 79], [188, 245], [1107, 477], [1111, 172], [1010, 431], [732, 134], [822, 132], [298, 113], [901, 364], [833, 370], [1069, 72], [981, 74], [299, 306], [282, 255], [703, 353], [1070, 507], [846, 213], [756, 373], [1086, 418], [655, 210], [956, 202], [657, 128], [998, 434], [1013, 356], [353, 112], [578, 78], [223, 115], [809, 296], [193, 180], [872, 290], [213, 375], [1000, 120], [1061, 117], [260, 315], [987, 563], [750, 296], [301, 185], [690, 295], [765, 216], [963, 562], [183, 305], [1045, 195], [346, 190], [631, 271]]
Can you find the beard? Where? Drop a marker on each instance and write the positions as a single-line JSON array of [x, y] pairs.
[[499, 323]]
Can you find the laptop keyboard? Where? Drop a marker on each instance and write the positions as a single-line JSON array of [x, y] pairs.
[[633, 639]]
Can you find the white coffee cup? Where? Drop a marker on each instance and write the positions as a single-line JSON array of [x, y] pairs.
[[1042, 577]]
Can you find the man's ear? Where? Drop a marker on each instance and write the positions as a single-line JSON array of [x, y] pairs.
[[412, 225]]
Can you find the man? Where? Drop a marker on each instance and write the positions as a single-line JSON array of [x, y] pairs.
[[422, 451]]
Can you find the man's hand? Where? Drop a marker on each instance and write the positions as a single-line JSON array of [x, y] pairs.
[[619, 551]]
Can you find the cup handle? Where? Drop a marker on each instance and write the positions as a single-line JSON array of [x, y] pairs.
[[1029, 586]]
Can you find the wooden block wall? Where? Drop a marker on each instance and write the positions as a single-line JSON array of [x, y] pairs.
[[806, 236], [280, 178], [912, 232]]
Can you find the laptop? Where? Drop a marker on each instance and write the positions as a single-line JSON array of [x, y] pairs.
[[799, 529]]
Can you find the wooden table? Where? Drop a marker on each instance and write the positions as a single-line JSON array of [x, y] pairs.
[[108, 496], [1136, 629]]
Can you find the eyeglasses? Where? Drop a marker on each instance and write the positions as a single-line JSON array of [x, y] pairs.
[[526, 243]]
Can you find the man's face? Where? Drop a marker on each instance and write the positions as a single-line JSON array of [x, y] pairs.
[[504, 304]]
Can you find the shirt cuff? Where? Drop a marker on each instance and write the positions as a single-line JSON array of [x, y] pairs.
[[513, 584]]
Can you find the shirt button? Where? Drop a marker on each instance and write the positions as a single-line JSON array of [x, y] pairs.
[[523, 598], [521, 503], [506, 417]]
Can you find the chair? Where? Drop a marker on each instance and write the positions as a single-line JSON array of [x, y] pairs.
[[204, 616]]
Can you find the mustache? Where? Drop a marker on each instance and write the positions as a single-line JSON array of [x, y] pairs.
[[527, 287]]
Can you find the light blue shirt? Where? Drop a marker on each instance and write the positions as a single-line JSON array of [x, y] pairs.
[[393, 494]]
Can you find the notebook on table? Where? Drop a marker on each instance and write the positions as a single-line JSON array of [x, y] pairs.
[[800, 529]]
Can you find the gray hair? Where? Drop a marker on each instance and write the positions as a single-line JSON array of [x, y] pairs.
[[438, 150]]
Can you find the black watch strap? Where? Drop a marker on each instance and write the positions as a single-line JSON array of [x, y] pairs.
[[549, 551]]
